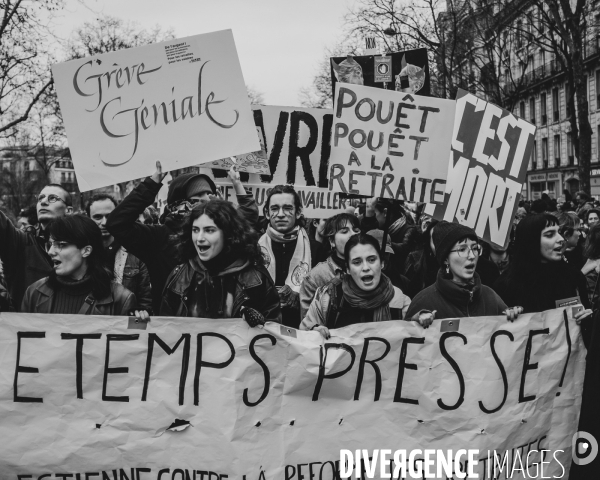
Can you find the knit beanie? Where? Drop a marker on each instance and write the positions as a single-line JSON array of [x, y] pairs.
[[197, 186], [445, 236]]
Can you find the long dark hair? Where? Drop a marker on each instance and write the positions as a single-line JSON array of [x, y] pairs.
[[527, 257], [240, 239], [82, 231], [396, 210]]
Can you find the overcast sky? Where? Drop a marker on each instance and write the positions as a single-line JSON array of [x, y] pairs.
[[279, 42]]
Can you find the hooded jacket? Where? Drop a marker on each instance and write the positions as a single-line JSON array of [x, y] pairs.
[[191, 291], [156, 245], [120, 301], [451, 300]]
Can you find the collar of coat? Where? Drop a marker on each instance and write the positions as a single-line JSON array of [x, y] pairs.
[[455, 293], [47, 293]]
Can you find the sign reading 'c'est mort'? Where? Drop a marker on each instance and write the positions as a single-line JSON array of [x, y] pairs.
[[181, 102], [390, 144]]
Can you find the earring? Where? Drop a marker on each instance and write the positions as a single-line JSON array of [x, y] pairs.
[[447, 269]]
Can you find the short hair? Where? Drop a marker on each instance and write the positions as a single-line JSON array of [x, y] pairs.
[[68, 199], [337, 222], [591, 249], [583, 195], [539, 206], [278, 189], [98, 197], [567, 222], [361, 239], [589, 212], [397, 211]]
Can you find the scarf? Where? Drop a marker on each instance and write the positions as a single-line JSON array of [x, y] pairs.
[[397, 225], [301, 260], [377, 300]]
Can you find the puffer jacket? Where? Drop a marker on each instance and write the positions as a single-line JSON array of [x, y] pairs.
[[451, 300], [120, 301], [23, 257], [185, 293]]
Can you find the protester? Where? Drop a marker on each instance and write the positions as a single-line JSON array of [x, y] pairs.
[[5, 303], [364, 294], [591, 269], [583, 204], [224, 274], [539, 206], [570, 230], [336, 232], [23, 253], [389, 262], [402, 231], [27, 218], [520, 214], [319, 246], [538, 276], [593, 216], [499, 257], [79, 283], [421, 266], [286, 247], [458, 291], [359, 211], [156, 245], [128, 270]]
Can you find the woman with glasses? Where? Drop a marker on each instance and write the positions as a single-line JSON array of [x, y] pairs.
[[223, 275], [79, 283], [457, 291]]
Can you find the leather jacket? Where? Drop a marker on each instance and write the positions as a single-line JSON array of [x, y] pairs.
[[120, 301], [185, 293]]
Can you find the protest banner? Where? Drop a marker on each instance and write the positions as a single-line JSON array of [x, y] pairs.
[[181, 102], [104, 398], [390, 144], [487, 168], [316, 202], [408, 71]]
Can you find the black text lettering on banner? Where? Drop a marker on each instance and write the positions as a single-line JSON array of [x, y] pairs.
[[390, 144]]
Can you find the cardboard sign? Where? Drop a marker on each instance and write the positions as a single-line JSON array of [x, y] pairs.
[[181, 102], [409, 71], [316, 202], [216, 399], [390, 144], [371, 46], [487, 169]]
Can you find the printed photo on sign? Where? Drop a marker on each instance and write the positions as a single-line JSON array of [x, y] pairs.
[[390, 144], [491, 148], [182, 102], [406, 71]]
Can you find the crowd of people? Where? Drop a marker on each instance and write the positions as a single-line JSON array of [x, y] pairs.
[[208, 258]]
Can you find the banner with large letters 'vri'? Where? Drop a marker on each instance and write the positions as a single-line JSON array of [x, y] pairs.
[[390, 144], [96, 398], [181, 102], [491, 149]]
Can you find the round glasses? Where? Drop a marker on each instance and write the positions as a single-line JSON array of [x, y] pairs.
[[463, 250], [50, 199], [58, 246]]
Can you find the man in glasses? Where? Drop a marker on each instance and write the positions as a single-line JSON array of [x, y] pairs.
[[129, 271], [23, 253], [156, 245], [286, 247]]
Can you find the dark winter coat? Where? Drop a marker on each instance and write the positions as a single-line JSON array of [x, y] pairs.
[[120, 301], [451, 300], [156, 245], [24, 258], [189, 288]]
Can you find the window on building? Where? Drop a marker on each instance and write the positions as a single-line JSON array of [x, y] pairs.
[[534, 155], [522, 67], [568, 99], [63, 178], [598, 145], [544, 153], [556, 150], [543, 61], [585, 85], [522, 109], [597, 89], [543, 108], [541, 22], [555, 105], [570, 149], [519, 32], [532, 110]]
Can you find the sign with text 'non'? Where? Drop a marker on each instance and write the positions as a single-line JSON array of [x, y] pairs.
[[390, 144], [491, 148], [180, 101], [89, 398]]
